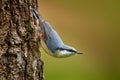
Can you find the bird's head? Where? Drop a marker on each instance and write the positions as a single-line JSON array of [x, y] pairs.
[[65, 51]]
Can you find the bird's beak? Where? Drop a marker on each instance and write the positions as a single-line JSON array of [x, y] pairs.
[[79, 52]]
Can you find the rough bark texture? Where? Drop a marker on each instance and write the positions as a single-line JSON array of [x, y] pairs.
[[19, 52]]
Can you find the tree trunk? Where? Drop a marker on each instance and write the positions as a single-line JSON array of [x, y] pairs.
[[19, 49]]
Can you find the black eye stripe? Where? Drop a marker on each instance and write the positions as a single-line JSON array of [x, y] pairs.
[[70, 50]]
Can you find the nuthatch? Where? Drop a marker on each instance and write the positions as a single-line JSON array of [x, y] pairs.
[[52, 40]]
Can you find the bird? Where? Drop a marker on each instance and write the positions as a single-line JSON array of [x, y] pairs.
[[53, 42]]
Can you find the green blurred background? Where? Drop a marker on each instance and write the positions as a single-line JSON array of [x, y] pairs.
[[91, 26]]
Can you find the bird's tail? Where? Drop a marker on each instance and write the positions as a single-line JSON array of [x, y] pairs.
[[37, 19]]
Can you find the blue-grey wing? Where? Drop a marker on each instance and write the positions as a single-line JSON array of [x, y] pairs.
[[51, 37]]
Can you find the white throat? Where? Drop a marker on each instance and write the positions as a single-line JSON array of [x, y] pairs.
[[63, 53]]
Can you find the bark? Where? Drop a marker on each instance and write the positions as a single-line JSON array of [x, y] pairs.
[[20, 57]]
